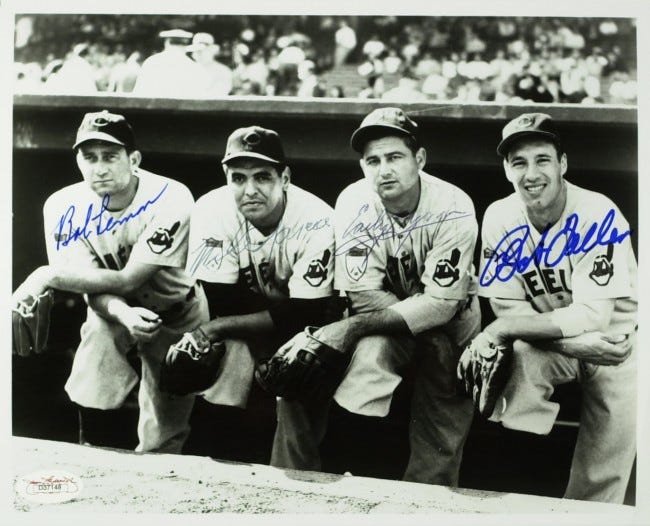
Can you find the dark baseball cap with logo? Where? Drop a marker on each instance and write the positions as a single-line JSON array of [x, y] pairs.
[[107, 127], [383, 122], [528, 125], [254, 142]]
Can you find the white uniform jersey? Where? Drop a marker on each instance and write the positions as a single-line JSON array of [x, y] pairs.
[[172, 74], [587, 255], [429, 252], [296, 260], [153, 229]]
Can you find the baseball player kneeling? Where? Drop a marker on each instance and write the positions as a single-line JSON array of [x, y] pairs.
[[264, 250], [120, 238], [404, 247], [559, 270]]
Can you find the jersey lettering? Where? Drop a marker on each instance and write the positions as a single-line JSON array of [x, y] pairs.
[[545, 281]]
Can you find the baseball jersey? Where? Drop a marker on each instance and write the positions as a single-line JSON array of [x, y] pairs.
[[586, 255], [80, 231], [295, 260], [428, 252]]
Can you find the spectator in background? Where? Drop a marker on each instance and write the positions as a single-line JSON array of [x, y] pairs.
[[124, 76], [345, 40], [392, 62], [406, 90], [375, 88], [171, 73], [337, 92], [76, 76], [219, 76], [308, 79], [28, 77], [290, 56], [373, 48]]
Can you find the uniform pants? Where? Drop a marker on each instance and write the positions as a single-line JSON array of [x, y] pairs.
[[102, 378], [606, 444], [440, 418]]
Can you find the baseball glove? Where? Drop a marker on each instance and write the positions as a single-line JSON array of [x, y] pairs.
[[312, 373], [484, 369], [30, 321], [191, 365]]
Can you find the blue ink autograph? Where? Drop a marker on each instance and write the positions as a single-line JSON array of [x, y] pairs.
[[74, 233], [211, 252], [508, 258], [376, 229]]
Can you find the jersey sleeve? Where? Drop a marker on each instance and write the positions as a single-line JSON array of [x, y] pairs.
[[448, 269], [494, 283], [608, 270], [62, 251], [164, 240], [213, 255], [360, 264], [313, 272]]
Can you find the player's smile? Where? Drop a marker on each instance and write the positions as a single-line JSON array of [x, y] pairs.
[[537, 173]]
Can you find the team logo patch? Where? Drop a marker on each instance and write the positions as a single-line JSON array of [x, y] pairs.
[[447, 273], [356, 262], [603, 269], [163, 238], [317, 270]]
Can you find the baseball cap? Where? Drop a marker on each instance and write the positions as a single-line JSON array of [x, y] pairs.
[[255, 142], [382, 122], [105, 126], [527, 124]]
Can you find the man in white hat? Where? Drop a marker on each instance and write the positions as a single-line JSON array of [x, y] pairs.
[[76, 76], [171, 73], [204, 50]]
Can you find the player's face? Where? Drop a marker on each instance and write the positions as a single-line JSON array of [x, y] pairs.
[[106, 167], [259, 190], [392, 168], [536, 172]]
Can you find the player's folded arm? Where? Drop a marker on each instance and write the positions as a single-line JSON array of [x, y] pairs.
[[514, 322], [422, 312], [370, 300], [86, 280]]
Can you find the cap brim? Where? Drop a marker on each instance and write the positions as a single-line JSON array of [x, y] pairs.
[[362, 135], [252, 155], [504, 145], [97, 136]]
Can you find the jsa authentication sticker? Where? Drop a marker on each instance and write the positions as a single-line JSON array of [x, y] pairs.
[[49, 486]]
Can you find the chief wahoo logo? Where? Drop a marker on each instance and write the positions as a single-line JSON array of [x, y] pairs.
[[603, 269], [447, 272]]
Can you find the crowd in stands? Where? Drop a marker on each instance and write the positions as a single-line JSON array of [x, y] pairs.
[[405, 59]]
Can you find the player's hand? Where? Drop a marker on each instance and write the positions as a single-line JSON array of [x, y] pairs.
[[597, 348], [35, 285], [143, 325], [290, 349]]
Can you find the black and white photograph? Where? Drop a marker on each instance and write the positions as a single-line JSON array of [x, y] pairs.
[[318, 261]]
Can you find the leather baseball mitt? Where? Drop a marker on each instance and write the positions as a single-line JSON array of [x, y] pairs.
[[484, 369], [191, 365], [311, 373], [30, 321]]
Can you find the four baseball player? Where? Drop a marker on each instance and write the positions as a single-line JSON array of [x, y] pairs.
[[556, 264]]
